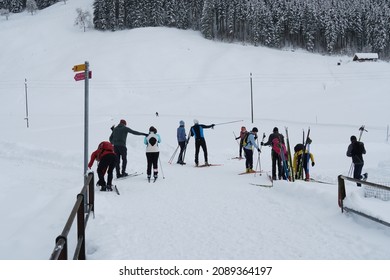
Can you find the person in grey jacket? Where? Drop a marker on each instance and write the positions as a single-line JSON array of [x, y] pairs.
[[118, 139], [181, 140]]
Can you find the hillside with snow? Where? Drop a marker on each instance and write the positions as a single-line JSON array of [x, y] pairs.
[[189, 213]]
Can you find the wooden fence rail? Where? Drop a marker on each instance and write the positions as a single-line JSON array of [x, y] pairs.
[[82, 209]]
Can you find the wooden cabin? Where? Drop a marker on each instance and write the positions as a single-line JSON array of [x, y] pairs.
[[365, 57]]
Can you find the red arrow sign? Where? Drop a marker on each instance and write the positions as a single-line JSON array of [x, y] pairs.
[[81, 76]]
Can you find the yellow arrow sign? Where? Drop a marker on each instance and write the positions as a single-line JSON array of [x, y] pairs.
[[80, 67]]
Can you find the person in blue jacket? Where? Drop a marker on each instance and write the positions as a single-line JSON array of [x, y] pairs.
[[181, 139], [249, 143], [197, 132]]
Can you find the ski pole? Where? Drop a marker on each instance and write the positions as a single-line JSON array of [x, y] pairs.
[[258, 154], [235, 137], [162, 172], [173, 156], [185, 148], [228, 122]]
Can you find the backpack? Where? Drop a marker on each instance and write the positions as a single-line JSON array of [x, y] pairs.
[[152, 141], [276, 145], [245, 139], [104, 146]]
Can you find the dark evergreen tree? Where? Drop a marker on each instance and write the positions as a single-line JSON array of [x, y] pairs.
[[16, 6], [45, 3], [207, 19], [120, 14], [99, 15]]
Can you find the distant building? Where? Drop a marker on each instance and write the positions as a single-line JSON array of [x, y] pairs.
[[365, 57]]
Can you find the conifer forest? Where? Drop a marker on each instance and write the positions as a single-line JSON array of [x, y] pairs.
[[322, 26]]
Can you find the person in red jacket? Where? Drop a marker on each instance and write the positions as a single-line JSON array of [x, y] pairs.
[[106, 157]]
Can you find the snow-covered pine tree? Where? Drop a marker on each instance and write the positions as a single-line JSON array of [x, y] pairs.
[[31, 6]]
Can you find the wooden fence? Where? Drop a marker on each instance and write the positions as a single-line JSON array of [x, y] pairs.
[[82, 209]]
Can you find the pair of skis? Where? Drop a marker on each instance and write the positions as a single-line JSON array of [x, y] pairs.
[[208, 165], [115, 188], [112, 188], [268, 184], [129, 176]]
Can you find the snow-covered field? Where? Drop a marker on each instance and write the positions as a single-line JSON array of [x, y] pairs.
[[189, 213]]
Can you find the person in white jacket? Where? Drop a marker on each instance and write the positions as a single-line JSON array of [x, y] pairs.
[[152, 152]]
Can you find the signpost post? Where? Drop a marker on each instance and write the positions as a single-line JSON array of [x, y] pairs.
[[86, 75]]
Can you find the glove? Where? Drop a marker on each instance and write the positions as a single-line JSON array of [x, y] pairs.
[[88, 171], [146, 135], [312, 163], [258, 149], [212, 126], [262, 143]]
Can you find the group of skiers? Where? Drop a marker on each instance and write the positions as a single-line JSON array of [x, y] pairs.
[[110, 153], [279, 154], [281, 168]]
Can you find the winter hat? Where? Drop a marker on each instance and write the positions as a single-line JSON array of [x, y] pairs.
[[123, 122], [255, 129], [182, 123], [276, 129], [152, 129], [196, 121], [298, 147]]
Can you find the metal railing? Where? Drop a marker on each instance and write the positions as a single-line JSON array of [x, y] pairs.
[[342, 194], [82, 209]]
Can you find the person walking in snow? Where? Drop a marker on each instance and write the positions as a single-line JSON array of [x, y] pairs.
[[181, 139], [249, 143], [197, 133], [106, 159], [297, 163], [276, 140], [355, 151], [118, 139], [152, 152], [243, 133]]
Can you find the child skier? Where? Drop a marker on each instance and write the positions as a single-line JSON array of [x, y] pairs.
[[298, 155]]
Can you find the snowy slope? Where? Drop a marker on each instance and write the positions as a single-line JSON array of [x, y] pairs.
[[192, 213]]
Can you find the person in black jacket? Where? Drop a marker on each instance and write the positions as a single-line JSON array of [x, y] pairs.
[[273, 140], [355, 151], [197, 132]]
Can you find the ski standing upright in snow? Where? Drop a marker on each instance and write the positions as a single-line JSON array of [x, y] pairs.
[[290, 163], [306, 143]]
